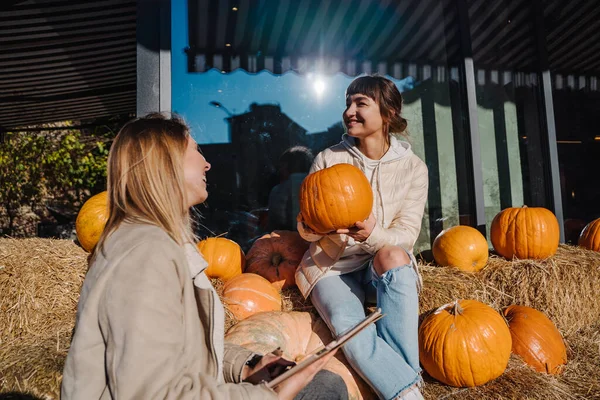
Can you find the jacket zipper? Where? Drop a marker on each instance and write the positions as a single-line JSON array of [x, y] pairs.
[[211, 331]]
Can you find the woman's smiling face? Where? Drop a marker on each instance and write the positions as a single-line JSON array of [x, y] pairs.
[[362, 116], [194, 168]]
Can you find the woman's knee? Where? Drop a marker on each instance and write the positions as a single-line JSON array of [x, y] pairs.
[[326, 385], [390, 257]]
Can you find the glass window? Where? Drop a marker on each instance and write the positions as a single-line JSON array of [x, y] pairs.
[[513, 147], [257, 79], [572, 43]]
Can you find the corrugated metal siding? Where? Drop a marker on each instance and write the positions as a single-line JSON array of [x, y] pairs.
[[65, 60]]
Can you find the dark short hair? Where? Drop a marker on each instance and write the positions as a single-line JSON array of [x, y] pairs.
[[386, 95], [297, 159]]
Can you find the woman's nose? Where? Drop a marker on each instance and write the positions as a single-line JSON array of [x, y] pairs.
[[207, 167], [350, 111]]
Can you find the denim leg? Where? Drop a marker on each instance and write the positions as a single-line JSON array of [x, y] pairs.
[[340, 302], [398, 299]]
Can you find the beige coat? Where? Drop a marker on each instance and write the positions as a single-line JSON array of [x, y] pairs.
[[400, 183], [141, 334]]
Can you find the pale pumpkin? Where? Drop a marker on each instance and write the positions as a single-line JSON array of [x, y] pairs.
[[535, 339], [297, 334], [335, 198], [91, 220], [462, 247], [590, 236], [275, 257], [525, 233], [225, 258], [248, 294], [465, 343]]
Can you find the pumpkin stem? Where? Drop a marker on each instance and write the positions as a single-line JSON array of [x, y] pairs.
[[276, 260], [456, 309]]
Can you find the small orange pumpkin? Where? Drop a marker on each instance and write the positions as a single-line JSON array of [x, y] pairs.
[[590, 236], [275, 257], [535, 339], [525, 233], [225, 258], [91, 220], [297, 334], [335, 198], [462, 247], [465, 343], [248, 294]]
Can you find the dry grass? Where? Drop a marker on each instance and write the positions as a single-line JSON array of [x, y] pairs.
[[40, 281], [565, 287]]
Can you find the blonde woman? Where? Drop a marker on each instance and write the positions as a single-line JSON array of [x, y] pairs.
[[149, 324]]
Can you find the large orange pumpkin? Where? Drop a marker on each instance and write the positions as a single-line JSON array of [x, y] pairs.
[[275, 256], [225, 258], [535, 339], [590, 236], [248, 294], [465, 343], [297, 334], [335, 198], [525, 233], [462, 247], [91, 220]]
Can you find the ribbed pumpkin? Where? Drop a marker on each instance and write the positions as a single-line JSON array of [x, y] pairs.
[[462, 247], [465, 343], [225, 258], [91, 220], [535, 339], [275, 257], [525, 233], [297, 334], [590, 236], [335, 198], [248, 294]]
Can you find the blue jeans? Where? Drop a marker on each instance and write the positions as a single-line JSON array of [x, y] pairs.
[[385, 355]]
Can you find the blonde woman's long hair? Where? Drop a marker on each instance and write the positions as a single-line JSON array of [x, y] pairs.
[[145, 179]]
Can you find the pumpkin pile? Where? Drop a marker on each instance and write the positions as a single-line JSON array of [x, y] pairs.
[[465, 343]]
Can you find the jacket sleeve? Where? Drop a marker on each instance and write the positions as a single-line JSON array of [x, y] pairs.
[[318, 164], [234, 359], [142, 320], [406, 225]]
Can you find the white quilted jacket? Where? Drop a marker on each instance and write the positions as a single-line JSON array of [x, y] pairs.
[[399, 187]]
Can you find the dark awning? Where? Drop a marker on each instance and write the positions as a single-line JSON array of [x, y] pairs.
[[388, 36], [66, 60]]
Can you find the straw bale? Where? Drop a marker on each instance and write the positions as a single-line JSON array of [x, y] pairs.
[[40, 281], [565, 287]]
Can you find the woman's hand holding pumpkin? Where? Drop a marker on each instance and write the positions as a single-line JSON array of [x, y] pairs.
[[361, 230]]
